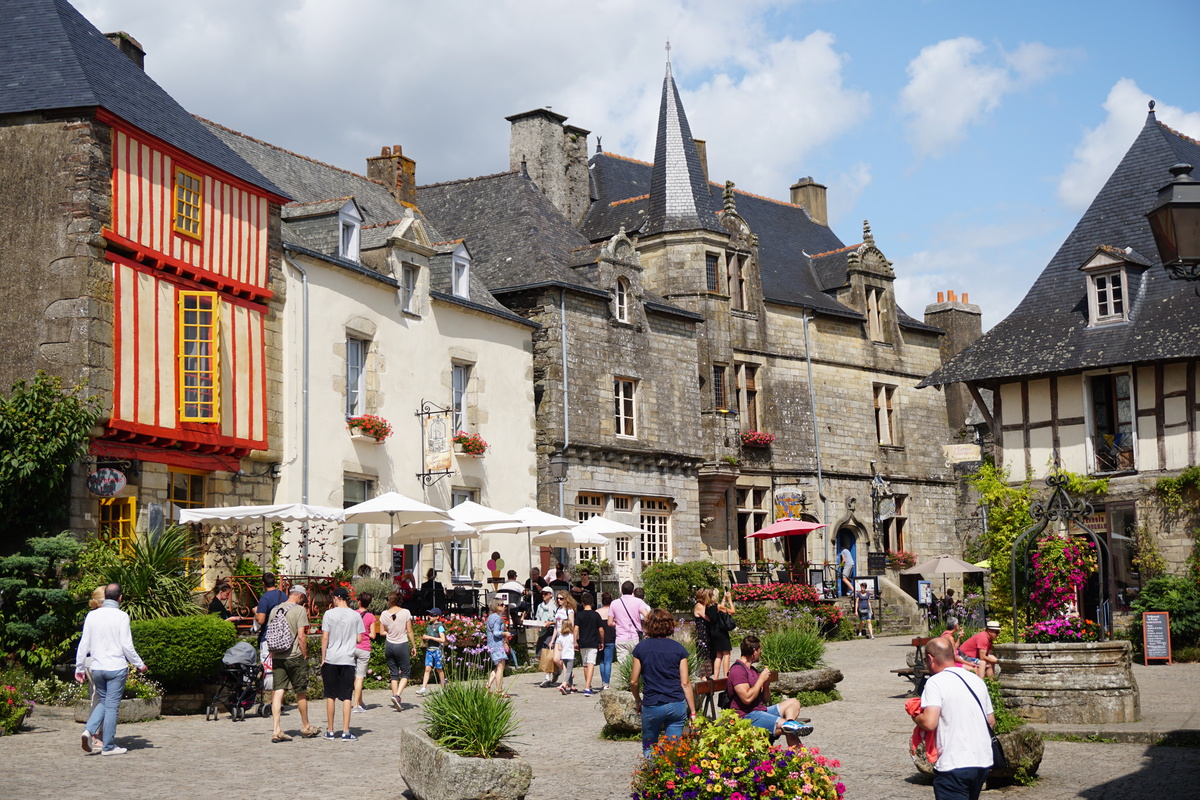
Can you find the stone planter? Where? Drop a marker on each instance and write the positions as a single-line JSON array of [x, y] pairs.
[[434, 773], [1022, 746], [132, 710], [1069, 683]]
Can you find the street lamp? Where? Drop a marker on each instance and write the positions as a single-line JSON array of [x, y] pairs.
[[1175, 223], [558, 467]]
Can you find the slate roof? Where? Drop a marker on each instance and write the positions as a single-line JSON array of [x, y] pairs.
[[1047, 333], [53, 59], [680, 198], [788, 239], [516, 235]]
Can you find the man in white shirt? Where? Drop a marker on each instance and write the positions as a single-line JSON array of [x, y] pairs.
[[341, 627], [955, 703], [108, 640]]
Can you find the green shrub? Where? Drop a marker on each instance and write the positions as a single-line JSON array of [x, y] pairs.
[[673, 586], [751, 619], [39, 620], [1006, 721], [379, 590], [794, 648], [1177, 595], [181, 652], [467, 719]]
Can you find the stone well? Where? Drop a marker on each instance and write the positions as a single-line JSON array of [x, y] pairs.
[[1069, 683]]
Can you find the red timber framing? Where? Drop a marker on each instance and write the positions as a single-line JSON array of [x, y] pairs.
[[152, 263]]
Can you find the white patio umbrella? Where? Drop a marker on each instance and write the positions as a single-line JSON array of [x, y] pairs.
[[607, 527], [536, 521], [573, 537], [487, 520], [394, 508], [279, 512], [943, 565]]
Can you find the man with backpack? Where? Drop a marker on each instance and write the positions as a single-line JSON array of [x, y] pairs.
[[271, 597], [286, 637]]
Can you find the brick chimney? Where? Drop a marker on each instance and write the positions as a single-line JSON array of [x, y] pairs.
[[396, 171], [963, 324], [129, 46], [810, 194]]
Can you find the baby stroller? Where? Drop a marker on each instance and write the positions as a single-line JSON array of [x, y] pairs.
[[240, 684]]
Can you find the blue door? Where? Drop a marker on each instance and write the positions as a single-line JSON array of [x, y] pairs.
[[846, 540]]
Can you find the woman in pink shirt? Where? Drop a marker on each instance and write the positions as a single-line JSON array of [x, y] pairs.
[[362, 653]]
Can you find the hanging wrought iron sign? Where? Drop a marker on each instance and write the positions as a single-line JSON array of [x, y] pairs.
[[106, 482]]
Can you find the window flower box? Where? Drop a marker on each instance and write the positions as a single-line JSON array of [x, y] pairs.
[[471, 444], [757, 439], [368, 427]]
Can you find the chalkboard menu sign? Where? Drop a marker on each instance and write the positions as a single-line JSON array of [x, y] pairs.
[[1156, 635], [876, 563]]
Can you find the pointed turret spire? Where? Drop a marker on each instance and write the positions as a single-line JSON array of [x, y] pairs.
[[679, 195]]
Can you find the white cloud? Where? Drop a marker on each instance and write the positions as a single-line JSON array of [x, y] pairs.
[[952, 87], [845, 189], [1102, 147]]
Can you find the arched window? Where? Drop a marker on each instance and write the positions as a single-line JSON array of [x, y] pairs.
[[622, 309]]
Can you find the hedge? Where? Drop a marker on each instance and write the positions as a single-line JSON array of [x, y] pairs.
[[182, 652], [673, 586]]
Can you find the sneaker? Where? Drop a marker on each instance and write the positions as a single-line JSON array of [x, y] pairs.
[[397, 703], [116, 751], [546, 684], [329, 735], [358, 709], [795, 728], [347, 736], [421, 692], [604, 688], [85, 741], [588, 692]]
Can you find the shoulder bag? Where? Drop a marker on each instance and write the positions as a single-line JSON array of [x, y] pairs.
[[999, 760]]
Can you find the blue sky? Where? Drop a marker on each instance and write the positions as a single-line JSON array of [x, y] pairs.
[[971, 135]]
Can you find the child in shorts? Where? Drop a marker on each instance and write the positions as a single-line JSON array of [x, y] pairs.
[[564, 655], [433, 639]]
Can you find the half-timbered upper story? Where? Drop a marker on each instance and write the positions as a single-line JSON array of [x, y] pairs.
[[1095, 370]]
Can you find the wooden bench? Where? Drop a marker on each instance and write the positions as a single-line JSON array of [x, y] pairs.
[[706, 692], [917, 673]]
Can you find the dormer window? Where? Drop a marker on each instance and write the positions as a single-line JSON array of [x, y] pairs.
[[1108, 273], [622, 300], [1107, 294], [875, 314], [460, 280], [349, 227]]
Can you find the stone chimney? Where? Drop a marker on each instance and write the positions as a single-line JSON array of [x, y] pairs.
[[963, 324], [702, 151], [810, 194], [555, 157], [129, 46], [396, 171]]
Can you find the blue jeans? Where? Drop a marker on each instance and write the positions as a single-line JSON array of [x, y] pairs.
[[606, 662], [965, 783], [667, 718], [766, 718], [110, 686]]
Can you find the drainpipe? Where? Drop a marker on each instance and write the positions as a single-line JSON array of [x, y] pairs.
[[566, 392], [812, 401], [303, 398]]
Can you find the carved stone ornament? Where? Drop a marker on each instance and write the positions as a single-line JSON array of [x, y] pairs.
[[620, 249], [869, 258]]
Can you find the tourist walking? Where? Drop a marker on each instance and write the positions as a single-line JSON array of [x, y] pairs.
[[846, 567], [956, 704], [662, 690], [109, 642], [589, 637], [564, 655], [719, 620], [362, 652], [270, 598], [341, 628], [862, 604], [399, 644], [609, 650], [290, 662], [497, 641], [700, 625], [433, 639], [628, 614]]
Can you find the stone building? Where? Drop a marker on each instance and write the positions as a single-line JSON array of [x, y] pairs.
[[141, 255], [1095, 371], [690, 317]]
